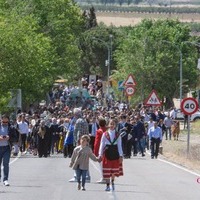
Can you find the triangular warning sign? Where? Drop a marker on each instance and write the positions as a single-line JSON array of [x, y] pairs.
[[153, 99], [130, 81]]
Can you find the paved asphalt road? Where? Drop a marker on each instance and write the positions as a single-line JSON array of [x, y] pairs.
[[33, 178]]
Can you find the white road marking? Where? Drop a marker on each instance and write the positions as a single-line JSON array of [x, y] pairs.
[[97, 168], [178, 166], [12, 161]]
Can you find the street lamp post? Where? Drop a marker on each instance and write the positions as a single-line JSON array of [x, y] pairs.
[[108, 61], [181, 62]]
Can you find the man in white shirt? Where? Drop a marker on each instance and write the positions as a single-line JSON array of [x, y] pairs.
[[150, 124], [155, 136], [23, 129]]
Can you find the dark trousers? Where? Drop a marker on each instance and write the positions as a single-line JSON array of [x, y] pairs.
[[129, 148], [124, 145], [23, 140], [135, 147], [155, 142], [49, 139], [168, 132], [5, 157], [42, 147], [92, 139], [147, 142], [54, 143], [68, 150], [141, 145]]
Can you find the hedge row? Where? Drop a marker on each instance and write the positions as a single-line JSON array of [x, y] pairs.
[[112, 8]]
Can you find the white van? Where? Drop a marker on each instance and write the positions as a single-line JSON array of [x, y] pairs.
[[194, 117]]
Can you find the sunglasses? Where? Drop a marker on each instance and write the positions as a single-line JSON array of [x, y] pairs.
[[4, 122]]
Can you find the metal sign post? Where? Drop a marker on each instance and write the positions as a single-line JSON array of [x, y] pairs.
[[188, 137], [189, 106]]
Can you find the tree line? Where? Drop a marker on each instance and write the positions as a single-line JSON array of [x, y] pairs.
[[163, 3]]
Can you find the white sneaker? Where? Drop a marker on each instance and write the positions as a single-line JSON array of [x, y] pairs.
[[73, 180], [6, 183], [101, 181]]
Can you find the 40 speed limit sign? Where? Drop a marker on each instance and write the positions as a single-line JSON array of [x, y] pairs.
[[189, 106]]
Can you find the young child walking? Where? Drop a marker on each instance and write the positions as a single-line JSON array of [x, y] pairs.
[[80, 160]]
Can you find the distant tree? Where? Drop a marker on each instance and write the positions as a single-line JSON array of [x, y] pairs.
[[120, 2], [137, 1], [150, 2], [90, 18], [112, 1], [129, 2], [104, 1], [93, 44]]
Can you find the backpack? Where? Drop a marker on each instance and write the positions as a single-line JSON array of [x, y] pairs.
[[111, 150]]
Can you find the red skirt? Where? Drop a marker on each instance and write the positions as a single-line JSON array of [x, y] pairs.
[[111, 167]]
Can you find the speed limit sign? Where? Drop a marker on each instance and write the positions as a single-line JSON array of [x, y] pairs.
[[189, 106], [130, 90]]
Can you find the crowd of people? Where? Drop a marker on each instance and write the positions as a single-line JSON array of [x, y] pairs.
[[78, 96], [110, 135]]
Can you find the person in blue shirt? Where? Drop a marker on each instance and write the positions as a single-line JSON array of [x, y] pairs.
[[6, 136], [155, 136]]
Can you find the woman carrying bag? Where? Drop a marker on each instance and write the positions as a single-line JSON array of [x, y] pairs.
[[111, 153]]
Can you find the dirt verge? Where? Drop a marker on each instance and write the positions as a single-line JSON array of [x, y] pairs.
[[176, 151], [126, 18]]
